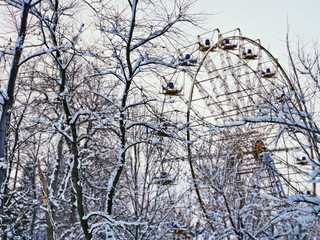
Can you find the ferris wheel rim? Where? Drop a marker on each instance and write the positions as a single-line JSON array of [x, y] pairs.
[[217, 45], [256, 43]]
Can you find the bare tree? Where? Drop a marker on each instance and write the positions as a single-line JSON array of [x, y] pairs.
[[135, 43], [84, 142], [8, 95]]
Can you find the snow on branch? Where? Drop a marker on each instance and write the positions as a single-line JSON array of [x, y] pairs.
[[122, 68], [16, 4], [105, 97], [55, 125], [101, 73], [111, 221], [3, 163], [41, 52], [295, 124], [4, 96], [78, 114], [5, 52], [306, 199], [143, 102], [114, 31], [155, 34]]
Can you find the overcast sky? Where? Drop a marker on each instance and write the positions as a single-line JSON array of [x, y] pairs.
[[265, 19]]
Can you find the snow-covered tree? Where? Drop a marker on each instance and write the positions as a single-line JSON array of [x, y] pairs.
[[87, 119], [93, 145]]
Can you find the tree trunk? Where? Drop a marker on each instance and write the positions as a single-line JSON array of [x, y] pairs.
[[8, 101]]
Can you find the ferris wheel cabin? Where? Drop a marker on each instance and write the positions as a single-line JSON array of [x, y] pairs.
[[206, 46], [163, 179], [170, 89], [268, 73], [187, 61], [249, 54], [302, 161], [226, 44]]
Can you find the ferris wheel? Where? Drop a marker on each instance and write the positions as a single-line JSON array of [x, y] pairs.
[[223, 94], [234, 87]]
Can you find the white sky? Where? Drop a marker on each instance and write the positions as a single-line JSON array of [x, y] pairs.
[[265, 20]]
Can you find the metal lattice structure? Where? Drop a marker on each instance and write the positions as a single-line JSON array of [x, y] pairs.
[[225, 88], [231, 83]]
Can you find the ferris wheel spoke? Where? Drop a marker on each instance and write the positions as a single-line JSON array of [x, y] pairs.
[[237, 78]]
